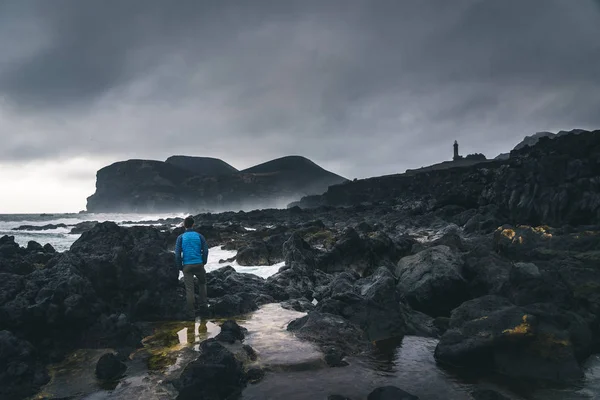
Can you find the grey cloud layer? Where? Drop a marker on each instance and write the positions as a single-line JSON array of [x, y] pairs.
[[362, 87]]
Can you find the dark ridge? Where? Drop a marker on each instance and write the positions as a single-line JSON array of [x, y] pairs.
[[289, 163], [184, 184], [202, 165]]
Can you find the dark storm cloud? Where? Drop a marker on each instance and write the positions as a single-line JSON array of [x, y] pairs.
[[362, 87]]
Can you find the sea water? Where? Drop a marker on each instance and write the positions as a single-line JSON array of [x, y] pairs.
[[61, 238]]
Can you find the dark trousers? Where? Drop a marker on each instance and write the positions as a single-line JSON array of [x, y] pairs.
[[189, 271]]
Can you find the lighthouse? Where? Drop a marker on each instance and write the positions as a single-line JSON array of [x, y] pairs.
[[456, 156]]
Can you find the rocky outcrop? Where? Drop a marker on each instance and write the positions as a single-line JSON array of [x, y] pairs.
[[130, 269], [187, 183], [138, 186], [21, 261], [330, 330], [431, 280], [554, 182], [109, 367], [216, 374], [39, 228], [538, 341], [231, 332], [361, 253], [532, 140], [21, 373], [299, 278]]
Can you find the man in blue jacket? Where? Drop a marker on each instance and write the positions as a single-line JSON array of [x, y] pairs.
[[191, 254]]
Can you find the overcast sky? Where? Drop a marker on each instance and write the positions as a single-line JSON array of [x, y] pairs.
[[363, 88]]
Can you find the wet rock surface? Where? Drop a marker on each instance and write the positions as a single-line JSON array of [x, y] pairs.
[[230, 332], [390, 393], [216, 374], [432, 281], [109, 367], [330, 330], [540, 341]]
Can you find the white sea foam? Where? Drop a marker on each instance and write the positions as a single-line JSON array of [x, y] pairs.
[[216, 253], [61, 238]]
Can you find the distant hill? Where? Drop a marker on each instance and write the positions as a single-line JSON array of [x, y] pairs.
[[190, 184], [289, 163], [202, 165], [296, 171]]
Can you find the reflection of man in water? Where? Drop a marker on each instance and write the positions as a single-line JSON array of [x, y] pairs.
[[191, 254], [196, 332]]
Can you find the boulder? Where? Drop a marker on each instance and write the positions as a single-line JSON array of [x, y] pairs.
[[361, 254], [540, 341], [109, 367], [57, 298], [233, 304], [300, 305], [431, 280], [256, 253], [21, 374], [372, 304], [528, 285], [330, 330], [34, 246], [227, 281], [477, 308], [127, 264], [255, 375], [295, 281], [216, 374], [48, 248], [486, 272], [230, 332], [113, 331], [334, 357], [296, 250]]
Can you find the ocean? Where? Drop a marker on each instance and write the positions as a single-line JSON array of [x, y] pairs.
[[61, 238]]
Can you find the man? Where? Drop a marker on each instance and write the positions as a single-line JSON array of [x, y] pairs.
[[194, 249]]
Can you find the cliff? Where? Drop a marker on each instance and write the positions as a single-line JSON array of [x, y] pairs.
[[202, 165], [556, 181], [189, 184]]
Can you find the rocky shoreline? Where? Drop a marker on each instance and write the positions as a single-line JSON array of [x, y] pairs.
[[509, 287]]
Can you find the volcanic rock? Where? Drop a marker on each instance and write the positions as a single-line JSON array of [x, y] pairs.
[[539, 341], [21, 374], [109, 367], [390, 393], [431, 280], [216, 374]]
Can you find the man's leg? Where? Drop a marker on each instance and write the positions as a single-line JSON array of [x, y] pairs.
[[201, 275], [188, 280]]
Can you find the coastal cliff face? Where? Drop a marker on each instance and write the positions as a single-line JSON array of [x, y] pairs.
[[194, 184], [555, 182]]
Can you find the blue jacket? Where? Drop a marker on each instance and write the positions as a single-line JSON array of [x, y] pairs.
[[194, 248]]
